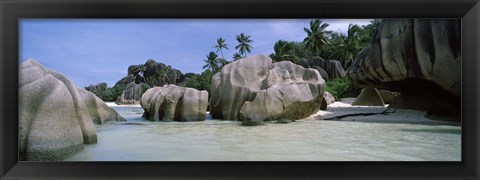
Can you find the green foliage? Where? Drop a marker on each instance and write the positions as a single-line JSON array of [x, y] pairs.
[[317, 36], [144, 87], [160, 77], [342, 88], [110, 95], [212, 62], [289, 51], [237, 56], [200, 81], [243, 44], [220, 46], [330, 45]]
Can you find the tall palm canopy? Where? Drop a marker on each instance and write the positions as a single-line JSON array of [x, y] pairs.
[[211, 61], [237, 56], [243, 46], [221, 45], [284, 50], [317, 36], [350, 45]]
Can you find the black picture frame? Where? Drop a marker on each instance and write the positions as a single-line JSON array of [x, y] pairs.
[[12, 10]]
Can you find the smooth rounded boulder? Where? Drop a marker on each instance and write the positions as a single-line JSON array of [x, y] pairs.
[[99, 111], [254, 88], [332, 68], [174, 103], [55, 116]]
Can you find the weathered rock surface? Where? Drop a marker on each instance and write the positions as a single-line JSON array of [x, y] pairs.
[[327, 100], [174, 103], [415, 57], [255, 89], [333, 68], [387, 95], [155, 69], [55, 118], [132, 93], [99, 111], [322, 72], [369, 97]]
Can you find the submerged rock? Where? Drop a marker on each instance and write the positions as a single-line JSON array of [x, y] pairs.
[[55, 117], [252, 123], [255, 89], [174, 103]]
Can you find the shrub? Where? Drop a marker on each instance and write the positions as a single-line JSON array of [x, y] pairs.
[[342, 88]]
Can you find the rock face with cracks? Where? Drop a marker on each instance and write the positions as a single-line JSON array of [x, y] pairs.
[[256, 89], [132, 93], [174, 103], [419, 58], [55, 117]]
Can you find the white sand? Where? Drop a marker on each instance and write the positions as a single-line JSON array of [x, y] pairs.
[[399, 116], [112, 104]]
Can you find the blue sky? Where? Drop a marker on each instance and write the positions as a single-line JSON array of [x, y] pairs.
[[90, 51]]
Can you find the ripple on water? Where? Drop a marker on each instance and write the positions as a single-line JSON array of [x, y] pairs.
[[308, 140]]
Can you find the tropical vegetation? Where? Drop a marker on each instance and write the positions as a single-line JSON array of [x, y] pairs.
[[318, 41]]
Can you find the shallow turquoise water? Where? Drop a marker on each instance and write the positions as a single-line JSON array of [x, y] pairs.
[[307, 140]]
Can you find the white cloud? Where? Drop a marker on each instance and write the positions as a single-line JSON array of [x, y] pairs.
[[341, 25]]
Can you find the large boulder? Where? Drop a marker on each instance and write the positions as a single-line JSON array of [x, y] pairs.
[[99, 111], [369, 97], [322, 72], [333, 68], [125, 80], [255, 89], [159, 74], [415, 57], [328, 99], [387, 96], [133, 69], [132, 93], [55, 118], [174, 103]]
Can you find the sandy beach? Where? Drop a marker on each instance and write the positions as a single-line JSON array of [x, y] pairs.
[[112, 104], [344, 106]]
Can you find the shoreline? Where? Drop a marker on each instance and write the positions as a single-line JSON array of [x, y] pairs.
[[112, 104], [407, 116], [343, 107]]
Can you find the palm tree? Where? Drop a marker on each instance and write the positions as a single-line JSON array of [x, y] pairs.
[[317, 36], [350, 45], [211, 61], [222, 62], [237, 56], [221, 45], [284, 51], [243, 46]]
